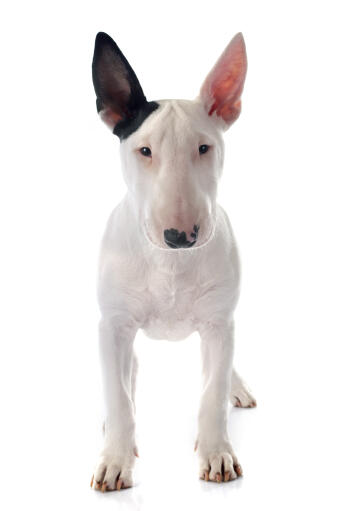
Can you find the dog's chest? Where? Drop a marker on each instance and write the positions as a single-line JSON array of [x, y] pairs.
[[172, 298]]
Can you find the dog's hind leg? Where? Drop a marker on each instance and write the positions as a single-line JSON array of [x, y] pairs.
[[241, 396]]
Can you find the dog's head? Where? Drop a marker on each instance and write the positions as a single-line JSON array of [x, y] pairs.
[[171, 150]]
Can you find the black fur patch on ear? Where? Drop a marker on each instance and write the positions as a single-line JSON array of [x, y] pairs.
[[127, 126], [117, 88]]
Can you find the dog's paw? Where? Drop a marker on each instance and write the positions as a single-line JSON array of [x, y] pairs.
[[218, 465], [113, 472], [241, 397]]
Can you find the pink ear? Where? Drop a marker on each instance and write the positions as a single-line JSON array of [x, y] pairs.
[[224, 84]]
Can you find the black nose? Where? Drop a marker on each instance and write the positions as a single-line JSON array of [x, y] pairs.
[[176, 239]]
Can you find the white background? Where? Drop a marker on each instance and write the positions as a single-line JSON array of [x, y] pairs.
[[284, 189]]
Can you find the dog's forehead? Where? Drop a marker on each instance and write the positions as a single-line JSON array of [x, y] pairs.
[[175, 119]]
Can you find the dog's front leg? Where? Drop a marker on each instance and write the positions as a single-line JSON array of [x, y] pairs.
[[115, 465], [217, 459]]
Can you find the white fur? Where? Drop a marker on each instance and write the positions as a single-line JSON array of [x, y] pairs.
[[169, 293]]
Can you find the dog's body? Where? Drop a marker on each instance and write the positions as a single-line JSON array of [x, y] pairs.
[[156, 276], [167, 294]]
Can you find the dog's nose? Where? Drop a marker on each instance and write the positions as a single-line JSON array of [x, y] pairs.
[[176, 239]]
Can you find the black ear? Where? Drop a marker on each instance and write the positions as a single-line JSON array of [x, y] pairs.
[[120, 99]]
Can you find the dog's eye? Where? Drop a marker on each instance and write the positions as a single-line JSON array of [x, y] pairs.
[[145, 151], [203, 148]]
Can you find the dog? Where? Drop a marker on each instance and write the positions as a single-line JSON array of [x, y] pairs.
[[169, 263]]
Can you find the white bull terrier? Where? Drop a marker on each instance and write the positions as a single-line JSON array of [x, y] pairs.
[[169, 262]]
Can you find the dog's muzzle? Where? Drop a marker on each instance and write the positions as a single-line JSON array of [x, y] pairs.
[[175, 239]]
